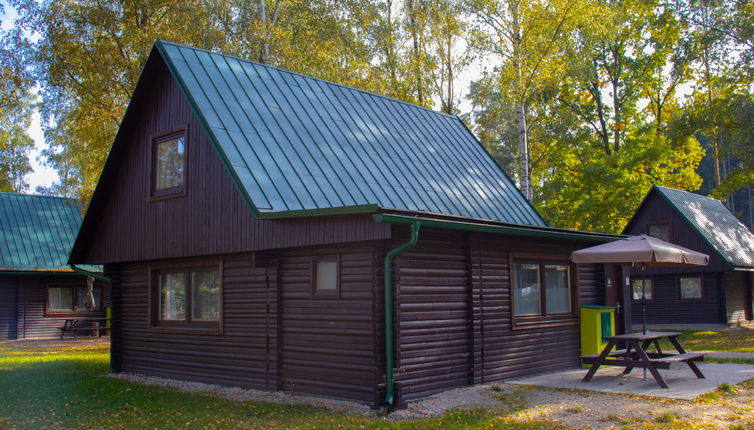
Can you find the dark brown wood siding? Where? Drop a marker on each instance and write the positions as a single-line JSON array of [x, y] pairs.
[[276, 336], [32, 300], [8, 307], [657, 210], [454, 313], [508, 352], [210, 219], [243, 355], [433, 316], [666, 307], [327, 344]]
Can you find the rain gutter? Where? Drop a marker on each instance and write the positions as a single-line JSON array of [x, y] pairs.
[[94, 275], [389, 383], [484, 227]]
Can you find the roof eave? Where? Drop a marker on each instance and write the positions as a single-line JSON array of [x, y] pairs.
[[693, 226], [496, 228]]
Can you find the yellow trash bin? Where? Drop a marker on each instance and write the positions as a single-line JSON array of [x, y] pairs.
[[596, 323]]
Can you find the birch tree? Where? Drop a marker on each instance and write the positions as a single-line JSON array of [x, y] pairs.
[[524, 36]]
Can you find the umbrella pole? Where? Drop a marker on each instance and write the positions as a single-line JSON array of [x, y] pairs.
[[643, 308], [643, 302]]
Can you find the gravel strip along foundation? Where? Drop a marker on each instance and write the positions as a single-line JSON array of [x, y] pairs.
[[571, 408]]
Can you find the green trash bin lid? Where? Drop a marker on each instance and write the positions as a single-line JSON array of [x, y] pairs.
[[598, 307]]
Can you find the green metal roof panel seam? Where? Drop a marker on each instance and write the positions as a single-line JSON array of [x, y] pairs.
[[715, 223], [37, 232], [323, 145]]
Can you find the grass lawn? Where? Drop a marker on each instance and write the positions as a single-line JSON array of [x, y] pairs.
[[739, 340], [65, 387]]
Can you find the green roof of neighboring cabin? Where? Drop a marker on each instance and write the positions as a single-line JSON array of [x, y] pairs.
[[297, 146], [715, 224], [37, 232]]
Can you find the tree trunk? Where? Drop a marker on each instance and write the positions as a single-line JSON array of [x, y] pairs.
[[416, 51], [523, 143], [523, 153]]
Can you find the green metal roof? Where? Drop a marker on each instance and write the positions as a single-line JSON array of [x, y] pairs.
[[715, 223], [37, 232], [298, 146]]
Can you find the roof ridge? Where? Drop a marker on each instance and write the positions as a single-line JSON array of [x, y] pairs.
[[662, 188], [167, 42], [10, 193]]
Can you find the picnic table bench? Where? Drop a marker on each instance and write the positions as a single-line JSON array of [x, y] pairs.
[[91, 325], [636, 355]]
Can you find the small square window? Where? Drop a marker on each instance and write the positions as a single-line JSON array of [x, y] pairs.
[[691, 288], [636, 289], [169, 165], [660, 231], [326, 275]]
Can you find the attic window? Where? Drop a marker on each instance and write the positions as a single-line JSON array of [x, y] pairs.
[[169, 165], [660, 231]]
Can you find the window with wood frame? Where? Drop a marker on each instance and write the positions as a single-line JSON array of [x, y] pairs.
[[660, 230], [169, 165], [542, 290], [691, 288], [326, 276], [73, 299], [637, 289], [187, 296]]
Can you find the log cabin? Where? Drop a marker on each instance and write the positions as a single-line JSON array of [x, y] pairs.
[[38, 290], [274, 231], [717, 294]]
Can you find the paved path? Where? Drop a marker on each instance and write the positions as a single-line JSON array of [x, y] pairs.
[[727, 354]]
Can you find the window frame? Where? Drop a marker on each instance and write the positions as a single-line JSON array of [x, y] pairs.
[[188, 324], [701, 288], [663, 223], [543, 318], [155, 140], [75, 312], [651, 286], [325, 294]]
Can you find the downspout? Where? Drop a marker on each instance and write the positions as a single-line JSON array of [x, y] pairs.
[[389, 384], [94, 275]]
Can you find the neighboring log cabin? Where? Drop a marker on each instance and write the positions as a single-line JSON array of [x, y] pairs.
[[719, 293], [38, 290], [246, 216]]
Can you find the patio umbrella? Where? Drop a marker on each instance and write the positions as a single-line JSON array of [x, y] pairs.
[[645, 251]]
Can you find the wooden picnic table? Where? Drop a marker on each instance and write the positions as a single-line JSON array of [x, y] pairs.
[[85, 324], [636, 354]]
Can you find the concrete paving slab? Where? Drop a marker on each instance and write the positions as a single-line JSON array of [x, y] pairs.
[[682, 382]]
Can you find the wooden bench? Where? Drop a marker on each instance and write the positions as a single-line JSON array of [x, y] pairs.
[[637, 355], [89, 325]]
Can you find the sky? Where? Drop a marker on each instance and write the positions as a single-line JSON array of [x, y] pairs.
[[42, 175]]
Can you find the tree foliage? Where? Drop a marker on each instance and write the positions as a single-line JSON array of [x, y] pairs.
[[587, 103]]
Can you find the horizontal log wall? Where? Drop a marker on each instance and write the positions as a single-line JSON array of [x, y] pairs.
[[32, 298], [327, 344], [508, 352], [276, 336], [666, 307], [454, 313], [433, 316], [8, 307], [243, 355]]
